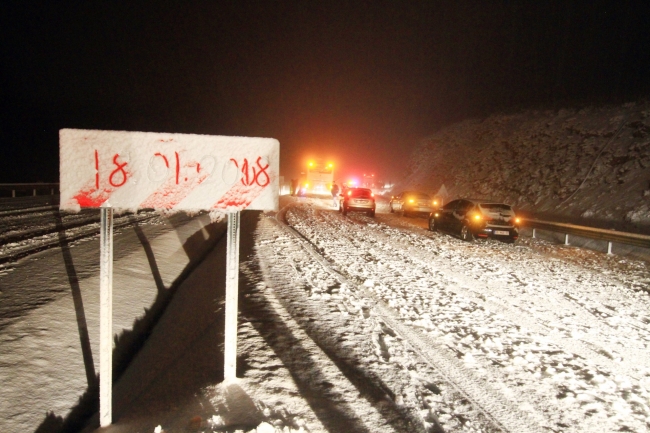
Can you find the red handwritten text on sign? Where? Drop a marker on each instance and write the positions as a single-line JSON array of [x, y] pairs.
[[167, 171]]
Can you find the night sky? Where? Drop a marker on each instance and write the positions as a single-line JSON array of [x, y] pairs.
[[358, 83]]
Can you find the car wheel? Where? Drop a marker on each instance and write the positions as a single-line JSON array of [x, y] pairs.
[[344, 210], [466, 234], [432, 225], [371, 213], [391, 208]]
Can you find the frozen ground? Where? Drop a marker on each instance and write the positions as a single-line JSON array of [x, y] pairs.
[[350, 324]]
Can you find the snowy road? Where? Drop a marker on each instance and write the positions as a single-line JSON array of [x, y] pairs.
[[538, 337], [346, 324]]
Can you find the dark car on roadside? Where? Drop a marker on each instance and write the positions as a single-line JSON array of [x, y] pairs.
[[358, 200], [412, 203], [472, 219]]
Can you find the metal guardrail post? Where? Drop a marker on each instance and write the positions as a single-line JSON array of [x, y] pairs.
[[566, 239], [13, 193], [34, 192], [609, 248], [534, 232]]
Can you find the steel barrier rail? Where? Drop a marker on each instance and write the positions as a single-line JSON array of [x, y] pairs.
[[13, 187], [589, 232]]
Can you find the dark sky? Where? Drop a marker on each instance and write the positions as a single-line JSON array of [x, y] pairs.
[[355, 82]]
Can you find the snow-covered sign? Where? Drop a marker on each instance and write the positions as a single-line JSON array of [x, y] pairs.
[[139, 170]]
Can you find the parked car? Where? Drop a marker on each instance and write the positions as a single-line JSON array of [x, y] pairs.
[[472, 219], [412, 203], [358, 200]]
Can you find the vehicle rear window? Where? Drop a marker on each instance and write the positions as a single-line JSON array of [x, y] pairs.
[[420, 195], [363, 193], [496, 207]]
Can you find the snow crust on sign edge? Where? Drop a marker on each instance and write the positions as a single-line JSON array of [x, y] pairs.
[[76, 177]]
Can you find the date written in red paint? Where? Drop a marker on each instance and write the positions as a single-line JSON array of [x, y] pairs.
[[169, 168]]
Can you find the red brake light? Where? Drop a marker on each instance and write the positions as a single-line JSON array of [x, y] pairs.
[[349, 193], [372, 194]]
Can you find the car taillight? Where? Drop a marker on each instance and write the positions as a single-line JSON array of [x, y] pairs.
[[372, 194], [349, 193], [411, 201]]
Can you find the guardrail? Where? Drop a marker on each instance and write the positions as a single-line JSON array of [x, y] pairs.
[[610, 236], [34, 187]]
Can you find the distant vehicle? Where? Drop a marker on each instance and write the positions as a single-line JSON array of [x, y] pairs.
[[412, 203], [319, 178], [472, 219], [358, 200]]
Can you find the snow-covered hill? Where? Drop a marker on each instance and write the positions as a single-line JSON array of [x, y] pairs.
[[591, 163]]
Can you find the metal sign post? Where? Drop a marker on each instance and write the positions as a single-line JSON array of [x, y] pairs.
[[106, 315], [232, 290]]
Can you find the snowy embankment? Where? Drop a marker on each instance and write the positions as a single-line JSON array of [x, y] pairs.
[[590, 165]]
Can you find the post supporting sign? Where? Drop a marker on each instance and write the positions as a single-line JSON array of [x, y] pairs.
[[105, 314], [232, 294], [176, 172]]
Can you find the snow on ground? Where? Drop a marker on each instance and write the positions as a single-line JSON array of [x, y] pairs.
[[49, 314], [357, 324], [564, 342]]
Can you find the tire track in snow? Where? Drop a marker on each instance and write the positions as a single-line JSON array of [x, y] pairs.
[[330, 382], [489, 402]]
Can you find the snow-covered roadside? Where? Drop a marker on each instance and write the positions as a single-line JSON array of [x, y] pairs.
[[50, 320]]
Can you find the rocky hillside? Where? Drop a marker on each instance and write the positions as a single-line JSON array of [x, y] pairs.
[[573, 164]]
